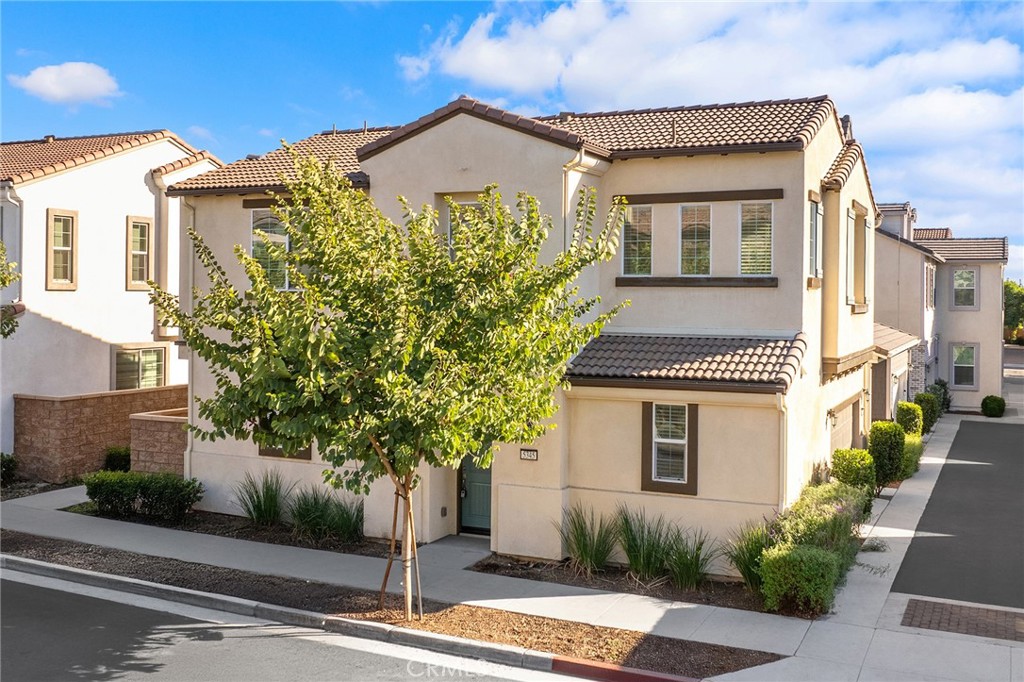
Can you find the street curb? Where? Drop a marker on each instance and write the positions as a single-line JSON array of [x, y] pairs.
[[609, 672]]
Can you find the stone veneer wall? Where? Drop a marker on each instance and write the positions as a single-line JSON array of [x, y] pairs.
[[918, 364], [159, 440], [57, 438]]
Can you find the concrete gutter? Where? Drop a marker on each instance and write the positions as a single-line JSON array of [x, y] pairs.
[[495, 653]]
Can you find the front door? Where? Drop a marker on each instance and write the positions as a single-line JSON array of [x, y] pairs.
[[475, 498]]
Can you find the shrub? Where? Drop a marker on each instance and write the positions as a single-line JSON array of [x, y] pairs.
[[828, 517], [8, 468], [646, 543], [912, 450], [689, 557], [885, 443], [910, 417], [319, 516], [744, 552], [589, 540], [993, 406], [119, 494], [940, 389], [118, 458], [263, 501], [801, 575], [929, 410], [854, 467]]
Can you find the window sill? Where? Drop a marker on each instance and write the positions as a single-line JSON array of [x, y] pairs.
[[683, 281], [859, 308], [814, 282]]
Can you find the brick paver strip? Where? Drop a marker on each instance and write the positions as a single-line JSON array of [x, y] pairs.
[[965, 620]]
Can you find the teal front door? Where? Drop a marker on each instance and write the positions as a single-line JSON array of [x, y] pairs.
[[475, 498]]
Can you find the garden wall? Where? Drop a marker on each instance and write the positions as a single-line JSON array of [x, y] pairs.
[[57, 438], [159, 440]]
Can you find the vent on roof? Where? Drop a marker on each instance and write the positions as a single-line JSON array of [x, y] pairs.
[[49, 138], [252, 157], [847, 127], [566, 115]]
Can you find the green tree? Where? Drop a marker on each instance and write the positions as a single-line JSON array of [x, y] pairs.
[[8, 276], [394, 347], [1013, 305]]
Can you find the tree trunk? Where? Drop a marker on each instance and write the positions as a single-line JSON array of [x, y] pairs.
[[407, 544]]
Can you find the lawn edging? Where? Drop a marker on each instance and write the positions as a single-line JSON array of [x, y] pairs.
[[467, 648]]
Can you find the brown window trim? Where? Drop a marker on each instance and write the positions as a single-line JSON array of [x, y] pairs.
[[751, 281], [703, 197], [51, 283], [305, 454], [647, 482], [129, 283]]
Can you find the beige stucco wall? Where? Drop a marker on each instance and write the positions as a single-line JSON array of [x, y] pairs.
[[900, 287]]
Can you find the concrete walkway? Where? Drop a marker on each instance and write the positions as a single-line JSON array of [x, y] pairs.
[[861, 640]]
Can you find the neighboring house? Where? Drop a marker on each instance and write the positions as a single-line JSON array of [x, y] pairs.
[[87, 221], [742, 363]]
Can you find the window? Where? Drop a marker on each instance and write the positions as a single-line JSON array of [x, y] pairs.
[[929, 285], [695, 240], [669, 448], [964, 357], [851, 254], [816, 220], [264, 222], [965, 285], [139, 253], [62, 250], [858, 265], [755, 239], [139, 368], [636, 241], [454, 221], [305, 453]]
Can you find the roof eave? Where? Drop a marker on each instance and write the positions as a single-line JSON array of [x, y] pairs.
[[174, 191], [789, 146], [678, 384]]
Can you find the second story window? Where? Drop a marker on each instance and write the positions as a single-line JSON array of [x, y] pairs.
[[965, 288], [816, 220], [636, 241], [929, 286], [264, 222], [755, 239], [61, 250], [139, 264], [695, 240], [858, 265]]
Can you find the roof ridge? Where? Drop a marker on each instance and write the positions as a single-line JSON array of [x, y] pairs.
[[130, 133], [690, 107], [348, 131]]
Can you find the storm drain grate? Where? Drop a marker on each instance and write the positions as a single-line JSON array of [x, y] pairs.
[[965, 620]]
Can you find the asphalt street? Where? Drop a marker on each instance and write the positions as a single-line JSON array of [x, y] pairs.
[[50, 634]]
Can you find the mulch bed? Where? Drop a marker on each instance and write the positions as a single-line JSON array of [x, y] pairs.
[[565, 638]]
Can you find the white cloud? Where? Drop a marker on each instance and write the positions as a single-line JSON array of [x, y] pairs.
[[265, 132], [1015, 263], [202, 133], [70, 83], [414, 68]]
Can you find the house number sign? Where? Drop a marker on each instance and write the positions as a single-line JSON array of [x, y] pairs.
[[528, 454]]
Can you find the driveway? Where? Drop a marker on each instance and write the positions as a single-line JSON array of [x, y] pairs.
[[969, 544]]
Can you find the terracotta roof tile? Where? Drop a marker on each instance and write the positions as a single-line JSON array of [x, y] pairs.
[[266, 172], [758, 362], [187, 162], [30, 159], [932, 233], [980, 248], [889, 339]]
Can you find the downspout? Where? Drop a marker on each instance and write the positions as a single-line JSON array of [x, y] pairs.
[[190, 439], [7, 193], [780, 405]]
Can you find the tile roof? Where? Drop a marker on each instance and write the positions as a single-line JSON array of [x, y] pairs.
[[265, 172], [932, 233], [30, 159], [698, 362], [889, 340], [188, 162], [979, 248]]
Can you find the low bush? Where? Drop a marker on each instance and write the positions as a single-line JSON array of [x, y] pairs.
[[744, 552], [885, 444], [800, 575], [910, 417], [646, 542], [588, 539], [854, 467], [913, 447], [689, 558], [826, 516], [8, 468], [929, 410], [993, 406], [940, 389], [263, 501], [319, 516], [120, 494], [118, 458]]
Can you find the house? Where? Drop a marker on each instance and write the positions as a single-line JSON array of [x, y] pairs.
[[947, 292], [87, 221], [742, 363]]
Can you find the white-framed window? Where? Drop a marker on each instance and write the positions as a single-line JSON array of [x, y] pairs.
[[636, 241], [851, 257], [965, 288], [669, 444], [929, 285], [138, 253], [695, 239], [264, 222], [140, 367], [964, 357], [61, 250], [816, 220], [756, 239]]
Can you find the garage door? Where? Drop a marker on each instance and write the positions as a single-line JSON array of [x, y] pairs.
[[847, 427]]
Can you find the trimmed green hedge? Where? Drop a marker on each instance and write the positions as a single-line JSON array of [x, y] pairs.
[[885, 443], [854, 467], [930, 410], [120, 494], [911, 417], [118, 458], [801, 575], [993, 406], [913, 448]]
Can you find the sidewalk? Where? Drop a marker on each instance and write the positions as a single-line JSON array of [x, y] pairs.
[[861, 640]]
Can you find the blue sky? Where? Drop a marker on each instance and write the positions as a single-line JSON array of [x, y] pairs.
[[935, 90]]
